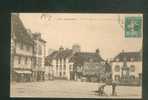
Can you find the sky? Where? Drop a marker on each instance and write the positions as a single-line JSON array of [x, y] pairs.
[[90, 31]]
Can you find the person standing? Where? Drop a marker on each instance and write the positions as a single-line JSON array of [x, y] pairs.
[[101, 90], [114, 84]]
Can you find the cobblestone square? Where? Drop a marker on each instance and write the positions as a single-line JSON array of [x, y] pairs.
[[69, 89]]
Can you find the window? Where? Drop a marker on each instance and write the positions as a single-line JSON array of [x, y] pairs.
[[35, 49], [90, 60], [27, 47], [131, 59], [64, 67], [60, 67], [34, 61], [56, 67], [56, 61], [19, 59], [70, 67], [117, 77], [60, 61], [132, 68], [63, 73], [86, 66], [117, 68], [39, 61], [117, 59], [26, 60], [60, 73], [140, 76], [64, 60], [79, 69], [21, 45], [132, 77], [40, 50]]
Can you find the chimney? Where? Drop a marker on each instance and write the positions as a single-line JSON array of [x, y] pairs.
[[39, 35], [61, 48], [97, 51], [122, 50], [76, 48]]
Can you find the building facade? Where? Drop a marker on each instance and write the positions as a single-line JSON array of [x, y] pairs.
[[89, 65], [23, 54], [60, 62], [38, 68], [72, 64], [22, 50], [127, 67]]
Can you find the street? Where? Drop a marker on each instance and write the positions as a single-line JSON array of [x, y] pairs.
[[69, 89]]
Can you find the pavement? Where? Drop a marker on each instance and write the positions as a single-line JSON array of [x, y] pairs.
[[70, 89]]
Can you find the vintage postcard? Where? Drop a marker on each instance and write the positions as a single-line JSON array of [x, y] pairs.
[[76, 55]]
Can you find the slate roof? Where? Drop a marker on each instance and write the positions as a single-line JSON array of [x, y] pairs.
[[19, 30], [38, 36], [136, 56], [60, 54], [82, 57], [79, 57]]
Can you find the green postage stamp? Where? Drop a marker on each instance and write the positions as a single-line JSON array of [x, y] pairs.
[[133, 26]]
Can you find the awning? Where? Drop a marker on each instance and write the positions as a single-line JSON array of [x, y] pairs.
[[23, 72]]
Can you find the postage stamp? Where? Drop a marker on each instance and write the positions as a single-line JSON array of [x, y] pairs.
[[133, 26]]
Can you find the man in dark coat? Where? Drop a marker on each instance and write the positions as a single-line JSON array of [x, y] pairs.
[[114, 84], [101, 90]]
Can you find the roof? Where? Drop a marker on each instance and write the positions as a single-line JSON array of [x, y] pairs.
[[60, 54], [19, 30], [82, 57], [135, 56], [38, 36]]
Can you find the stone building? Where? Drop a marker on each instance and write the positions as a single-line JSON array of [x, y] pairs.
[[60, 62], [27, 51], [89, 65], [38, 68], [72, 64], [127, 67], [21, 50]]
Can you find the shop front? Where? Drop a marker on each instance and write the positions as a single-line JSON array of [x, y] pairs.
[[38, 74], [22, 75]]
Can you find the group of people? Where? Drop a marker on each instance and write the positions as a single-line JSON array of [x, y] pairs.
[[101, 91]]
